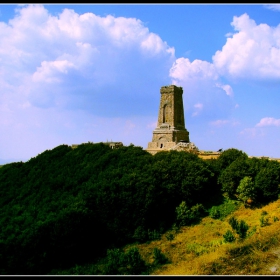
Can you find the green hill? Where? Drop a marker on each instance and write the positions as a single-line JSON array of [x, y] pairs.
[[73, 211]]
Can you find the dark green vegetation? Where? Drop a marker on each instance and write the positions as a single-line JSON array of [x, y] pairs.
[[66, 209]]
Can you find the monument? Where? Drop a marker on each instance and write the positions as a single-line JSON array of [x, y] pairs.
[[170, 133]]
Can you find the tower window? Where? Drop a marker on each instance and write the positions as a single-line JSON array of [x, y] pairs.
[[164, 112]]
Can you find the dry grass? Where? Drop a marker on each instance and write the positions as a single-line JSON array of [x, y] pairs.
[[201, 250]]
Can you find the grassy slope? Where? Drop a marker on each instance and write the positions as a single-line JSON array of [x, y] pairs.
[[200, 250]]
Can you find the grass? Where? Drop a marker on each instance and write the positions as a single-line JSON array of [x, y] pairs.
[[201, 249]]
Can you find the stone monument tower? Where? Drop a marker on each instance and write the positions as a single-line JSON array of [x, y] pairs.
[[170, 128]]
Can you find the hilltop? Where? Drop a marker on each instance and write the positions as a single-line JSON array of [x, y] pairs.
[[97, 210]]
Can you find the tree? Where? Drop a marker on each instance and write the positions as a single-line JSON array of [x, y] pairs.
[[246, 189], [231, 176], [229, 156], [267, 182]]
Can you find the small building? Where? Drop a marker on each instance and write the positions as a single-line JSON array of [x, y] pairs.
[[113, 145]]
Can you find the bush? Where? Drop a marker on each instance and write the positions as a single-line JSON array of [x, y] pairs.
[[241, 227], [196, 248], [187, 216], [135, 265], [275, 219], [153, 235], [121, 263], [169, 236], [228, 236], [223, 210], [115, 260], [215, 212], [233, 223], [263, 221], [159, 257], [140, 234]]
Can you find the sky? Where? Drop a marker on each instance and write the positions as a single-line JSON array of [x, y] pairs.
[[72, 74]]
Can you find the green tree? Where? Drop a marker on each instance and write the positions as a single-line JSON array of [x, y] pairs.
[[231, 176], [246, 189], [229, 156], [186, 216], [267, 182]]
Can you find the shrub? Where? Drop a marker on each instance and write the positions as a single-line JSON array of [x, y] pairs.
[[241, 227], [223, 210], [233, 223], [275, 219], [159, 257], [115, 260], [215, 212], [196, 248], [263, 221], [121, 263], [140, 234], [187, 216], [228, 236], [263, 213], [169, 236], [153, 234], [135, 265]]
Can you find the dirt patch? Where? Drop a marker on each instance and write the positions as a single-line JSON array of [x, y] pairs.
[[274, 267]]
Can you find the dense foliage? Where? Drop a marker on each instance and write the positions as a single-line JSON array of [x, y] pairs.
[[67, 206]]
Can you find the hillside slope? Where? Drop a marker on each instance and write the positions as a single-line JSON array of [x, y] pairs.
[[71, 211]]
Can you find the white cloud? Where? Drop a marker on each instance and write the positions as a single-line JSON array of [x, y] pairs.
[[86, 54], [198, 108], [268, 122], [76, 78], [219, 123], [202, 85], [226, 88], [183, 69], [274, 7], [253, 52]]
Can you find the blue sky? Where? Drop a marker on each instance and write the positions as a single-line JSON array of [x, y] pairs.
[[76, 73]]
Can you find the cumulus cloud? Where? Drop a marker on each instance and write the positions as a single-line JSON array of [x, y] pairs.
[[202, 85], [76, 78], [253, 52], [85, 55], [183, 69], [268, 122]]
